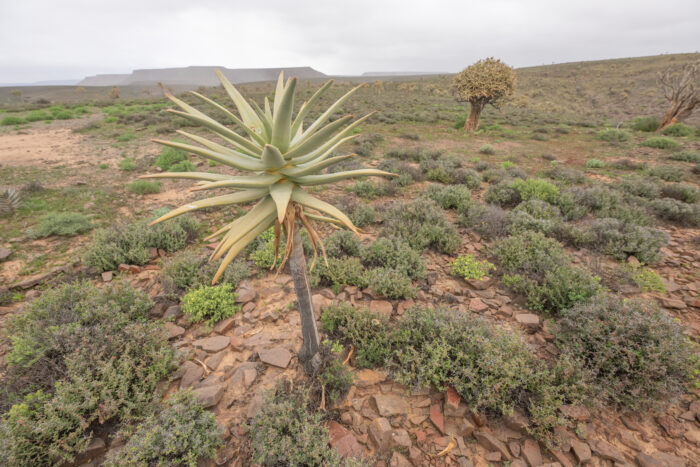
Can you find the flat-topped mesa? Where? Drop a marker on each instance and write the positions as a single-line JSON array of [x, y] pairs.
[[198, 76]]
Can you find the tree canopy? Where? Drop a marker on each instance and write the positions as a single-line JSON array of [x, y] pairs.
[[485, 81]]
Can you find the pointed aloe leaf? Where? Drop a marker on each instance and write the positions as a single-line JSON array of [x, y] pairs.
[[279, 89], [313, 141], [272, 158], [281, 193], [251, 132], [247, 146], [322, 153], [188, 108], [308, 180], [254, 181], [267, 122], [247, 113], [216, 147], [244, 224], [331, 110], [314, 166], [241, 244], [268, 111], [338, 137], [304, 111], [282, 122], [188, 175], [233, 198], [305, 199], [241, 161], [319, 218]]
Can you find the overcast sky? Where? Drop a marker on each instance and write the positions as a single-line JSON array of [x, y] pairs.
[[64, 39]]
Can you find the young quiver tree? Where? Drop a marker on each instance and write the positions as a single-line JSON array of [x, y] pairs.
[[281, 158], [485, 82], [680, 91]]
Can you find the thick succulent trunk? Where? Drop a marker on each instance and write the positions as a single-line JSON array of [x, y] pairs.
[[472, 123], [309, 353]]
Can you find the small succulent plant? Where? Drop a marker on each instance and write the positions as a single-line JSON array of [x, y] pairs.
[[10, 200], [283, 157]]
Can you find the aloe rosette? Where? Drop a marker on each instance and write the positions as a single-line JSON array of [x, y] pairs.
[[282, 158]]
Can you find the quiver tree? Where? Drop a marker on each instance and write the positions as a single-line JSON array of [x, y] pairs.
[[485, 82], [282, 158], [679, 89]]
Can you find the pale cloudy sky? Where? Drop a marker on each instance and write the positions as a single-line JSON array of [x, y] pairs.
[[64, 39]]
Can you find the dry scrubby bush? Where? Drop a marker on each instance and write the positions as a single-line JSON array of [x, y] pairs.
[[637, 354], [61, 223], [187, 269], [80, 358], [370, 189], [287, 431], [489, 220], [676, 211], [535, 215], [489, 367], [407, 173], [422, 224], [685, 156], [669, 173], [678, 129], [129, 243], [449, 197], [181, 434], [661, 142], [567, 175], [537, 267], [638, 185], [681, 192], [623, 239], [613, 135], [648, 124]]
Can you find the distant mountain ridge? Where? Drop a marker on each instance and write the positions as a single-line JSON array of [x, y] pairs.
[[198, 75]]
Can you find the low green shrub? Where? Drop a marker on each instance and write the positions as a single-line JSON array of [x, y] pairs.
[[186, 270], [622, 239], [143, 187], [441, 169], [80, 357], [423, 224], [363, 215], [567, 175], [447, 197], [169, 156], [534, 215], [184, 166], [676, 211], [130, 243], [391, 283], [646, 278], [487, 149], [678, 129], [127, 164], [685, 156], [407, 173], [36, 115], [12, 120], [638, 355], [661, 142], [503, 194], [669, 173], [536, 188], [468, 267], [647, 124], [287, 431], [342, 243], [638, 185], [339, 272], [210, 303], [627, 164], [489, 367], [181, 434], [681, 192], [488, 220], [613, 135], [370, 189], [394, 253], [61, 223], [467, 177]]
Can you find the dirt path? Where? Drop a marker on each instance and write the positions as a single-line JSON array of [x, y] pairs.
[[43, 146]]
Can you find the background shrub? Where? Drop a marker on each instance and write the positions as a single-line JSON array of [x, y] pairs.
[[468, 267], [660, 142], [169, 156], [676, 211], [536, 188], [394, 253], [181, 434], [595, 164], [647, 124], [637, 354], [613, 135], [669, 173], [61, 223], [143, 187], [487, 149], [681, 192], [488, 220], [622, 239], [678, 129], [685, 156], [391, 283], [422, 224], [447, 197], [502, 194]]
